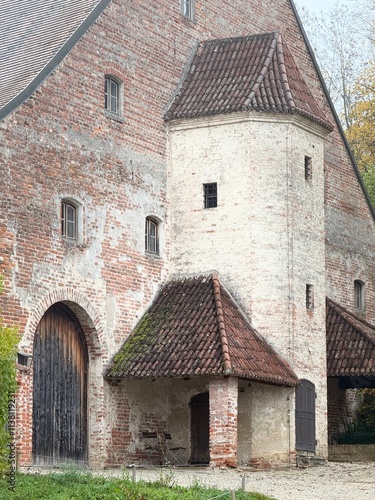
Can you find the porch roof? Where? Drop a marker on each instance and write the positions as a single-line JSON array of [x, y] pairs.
[[195, 328], [350, 343], [254, 72]]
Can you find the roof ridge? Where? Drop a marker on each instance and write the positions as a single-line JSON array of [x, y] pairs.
[[228, 370], [264, 70], [284, 73], [50, 60]]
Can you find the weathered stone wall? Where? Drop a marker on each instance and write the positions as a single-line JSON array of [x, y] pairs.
[[160, 406], [60, 143], [265, 425], [266, 236]]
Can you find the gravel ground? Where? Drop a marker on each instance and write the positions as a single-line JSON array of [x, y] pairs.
[[334, 481]]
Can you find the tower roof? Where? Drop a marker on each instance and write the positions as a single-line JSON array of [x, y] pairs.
[[254, 72]]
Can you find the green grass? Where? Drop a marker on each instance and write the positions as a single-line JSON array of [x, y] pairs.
[[74, 485]]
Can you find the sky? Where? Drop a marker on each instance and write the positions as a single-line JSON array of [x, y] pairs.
[[316, 6]]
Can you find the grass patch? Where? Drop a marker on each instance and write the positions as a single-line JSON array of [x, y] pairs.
[[84, 486]]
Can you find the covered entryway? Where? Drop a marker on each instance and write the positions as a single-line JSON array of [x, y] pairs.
[[199, 410], [193, 337], [60, 389], [305, 416], [350, 366]]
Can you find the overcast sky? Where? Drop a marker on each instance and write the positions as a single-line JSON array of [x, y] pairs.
[[316, 6]]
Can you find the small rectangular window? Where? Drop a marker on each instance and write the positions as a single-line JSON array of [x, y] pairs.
[[309, 297], [187, 8], [210, 195], [151, 236], [308, 168], [112, 95], [68, 220]]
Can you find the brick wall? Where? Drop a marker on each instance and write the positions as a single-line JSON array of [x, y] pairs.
[[60, 143]]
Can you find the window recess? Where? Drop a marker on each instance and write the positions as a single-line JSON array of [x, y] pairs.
[[210, 195]]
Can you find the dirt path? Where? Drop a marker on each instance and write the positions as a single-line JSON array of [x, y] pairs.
[[335, 481]]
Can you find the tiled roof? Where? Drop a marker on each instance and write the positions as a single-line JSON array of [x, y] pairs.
[[195, 328], [35, 36], [350, 343], [247, 73]]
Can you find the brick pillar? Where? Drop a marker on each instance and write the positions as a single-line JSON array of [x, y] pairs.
[[223, 421]]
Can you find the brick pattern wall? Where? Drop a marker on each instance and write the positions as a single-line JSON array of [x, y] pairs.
[[223, 400], [60, 143]]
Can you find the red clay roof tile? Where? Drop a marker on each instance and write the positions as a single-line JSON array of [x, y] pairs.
[[350, 343], [195, 328], [247, 73]]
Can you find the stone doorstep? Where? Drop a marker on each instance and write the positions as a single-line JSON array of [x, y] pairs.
[[309, 461]]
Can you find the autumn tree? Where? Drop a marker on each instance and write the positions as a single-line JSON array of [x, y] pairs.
[[361, 132], [341, 41]]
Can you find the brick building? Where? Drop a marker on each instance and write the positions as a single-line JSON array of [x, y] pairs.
[[178, 202]]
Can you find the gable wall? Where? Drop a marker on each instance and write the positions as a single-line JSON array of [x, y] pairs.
[[59, 143]]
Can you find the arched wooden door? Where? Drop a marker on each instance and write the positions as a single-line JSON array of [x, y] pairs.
[[60, 389], [305, 416], [200, 415]]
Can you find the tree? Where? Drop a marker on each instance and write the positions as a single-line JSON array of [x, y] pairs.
[[341, 40], [361, 132], [8, 351]]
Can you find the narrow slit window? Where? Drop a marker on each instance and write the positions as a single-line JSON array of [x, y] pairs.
[[210, 195], [151, 236], [308, 168], [309, 297], [359, 295]]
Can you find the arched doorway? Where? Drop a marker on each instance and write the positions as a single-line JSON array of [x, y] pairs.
[[200, 429], [305, 416], [60, 389]]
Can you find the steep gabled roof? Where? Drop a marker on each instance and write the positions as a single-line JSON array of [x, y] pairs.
[[350, 343], [195, 328], [35, 36], [245, 73]]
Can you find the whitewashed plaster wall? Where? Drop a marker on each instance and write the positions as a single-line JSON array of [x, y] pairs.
[[266, 236], [264, 430], [164, 404]]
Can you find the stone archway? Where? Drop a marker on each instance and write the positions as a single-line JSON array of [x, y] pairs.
[[59, 389]]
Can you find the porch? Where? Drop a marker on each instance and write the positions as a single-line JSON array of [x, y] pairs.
[[195, 369]]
